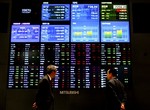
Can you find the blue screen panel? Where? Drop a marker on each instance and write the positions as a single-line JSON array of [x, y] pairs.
[[25, 33], [112, 31], [85, 12], [55, 12], [85, 23], [55, 33], [82, 32]]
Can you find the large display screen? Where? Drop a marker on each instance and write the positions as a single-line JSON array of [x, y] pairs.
[[81, 65], [113, 11], [25, 32], [82, 39], [85, 23], [55, 33], [55, 12], [115, 31]]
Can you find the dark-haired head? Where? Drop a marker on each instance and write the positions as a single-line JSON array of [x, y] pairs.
[[112, 72]]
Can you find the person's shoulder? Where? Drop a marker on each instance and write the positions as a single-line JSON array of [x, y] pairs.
[[111, 81], [44, 78], [121, 84]]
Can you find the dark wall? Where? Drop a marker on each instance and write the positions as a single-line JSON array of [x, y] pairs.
[[138, 96], [4, 42]]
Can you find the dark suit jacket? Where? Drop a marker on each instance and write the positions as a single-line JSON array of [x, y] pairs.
[[115, 94], [44, 97]]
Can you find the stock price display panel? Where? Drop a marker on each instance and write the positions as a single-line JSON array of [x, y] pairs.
[[85, 23], [55, 12], [114, 11], [115, 31], [85, 65], [83, 40], [24, 65], [55, 33], [81, 65], [118, 56], [25, 32], [59, 55]]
